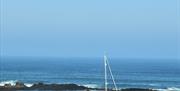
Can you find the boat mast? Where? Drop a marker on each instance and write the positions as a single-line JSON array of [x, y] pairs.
[[105, 72]]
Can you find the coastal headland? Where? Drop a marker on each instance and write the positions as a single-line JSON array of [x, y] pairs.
[[20, 86]]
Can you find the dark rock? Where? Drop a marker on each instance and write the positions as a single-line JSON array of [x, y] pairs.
[[7, 85], [58, 87], [19, 85], [41, 86]]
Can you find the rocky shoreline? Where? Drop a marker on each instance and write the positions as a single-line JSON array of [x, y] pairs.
[[57, 87]]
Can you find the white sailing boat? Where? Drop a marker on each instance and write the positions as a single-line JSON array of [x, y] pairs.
[[107, 69]]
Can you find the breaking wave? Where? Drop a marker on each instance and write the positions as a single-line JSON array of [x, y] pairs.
[[169, 89], [91, 85], [13, 83]]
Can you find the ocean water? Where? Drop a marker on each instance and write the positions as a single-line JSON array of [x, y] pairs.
[[138, 73]]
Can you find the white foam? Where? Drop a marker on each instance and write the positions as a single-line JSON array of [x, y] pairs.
[[28, 85], [13, 83], [153, 84], [91, 85], [170, 89]]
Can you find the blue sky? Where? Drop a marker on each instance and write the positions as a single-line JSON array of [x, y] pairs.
[[87, 28]]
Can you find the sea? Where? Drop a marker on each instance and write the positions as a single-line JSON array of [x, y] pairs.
[[160, 74]]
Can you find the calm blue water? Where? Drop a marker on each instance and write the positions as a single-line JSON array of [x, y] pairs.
[[90, 72]]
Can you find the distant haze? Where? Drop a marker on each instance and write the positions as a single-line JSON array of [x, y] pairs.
[[87, 28]]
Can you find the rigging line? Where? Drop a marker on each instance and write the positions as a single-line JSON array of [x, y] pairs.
[[111, 74], [1, 29], [178, 25]]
